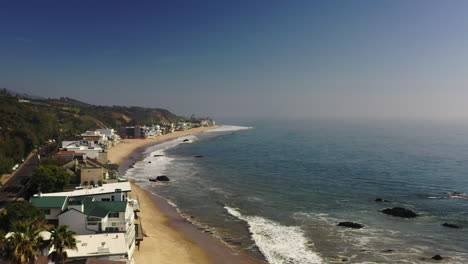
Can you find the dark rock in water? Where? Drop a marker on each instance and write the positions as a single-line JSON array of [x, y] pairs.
[[198, 156], [131, 166], [388, 251], [344, 259], [162, 178], [437, 257], [158, 155], [382, 200], [186, 140], [350, 225], [450, 225], [399, 212], [153, 179], [149, 161]]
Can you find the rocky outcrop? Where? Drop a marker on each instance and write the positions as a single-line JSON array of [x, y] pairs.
[[186, 140], [437, 257], [198, 156], [158, 155], [162, 178], [380, 200], [399, 212], [450, 225], [350, 225]]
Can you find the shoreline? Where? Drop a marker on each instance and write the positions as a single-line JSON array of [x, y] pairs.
[[169, 237]]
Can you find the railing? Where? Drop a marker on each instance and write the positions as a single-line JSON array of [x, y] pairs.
[[133, 202]]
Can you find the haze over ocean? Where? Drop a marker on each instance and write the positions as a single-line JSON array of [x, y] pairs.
[[290, 183]]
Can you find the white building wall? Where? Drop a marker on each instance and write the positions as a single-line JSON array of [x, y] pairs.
[[75, 221], [54, 212]]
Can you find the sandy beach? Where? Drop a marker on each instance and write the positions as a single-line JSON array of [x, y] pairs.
[[169, 238], [118, 153], [162, 244]]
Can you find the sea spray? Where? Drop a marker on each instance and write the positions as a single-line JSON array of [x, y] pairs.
[[279, 244]]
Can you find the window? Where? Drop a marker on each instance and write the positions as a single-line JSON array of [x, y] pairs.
[[114, 215], [105, 199], [46, 211], [112, 229], [93, 220]]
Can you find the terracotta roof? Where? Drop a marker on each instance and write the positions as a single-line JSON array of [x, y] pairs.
[[66, 152], [91, 138]]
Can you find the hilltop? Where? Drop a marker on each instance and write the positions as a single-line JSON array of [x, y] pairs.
[[27, 121]]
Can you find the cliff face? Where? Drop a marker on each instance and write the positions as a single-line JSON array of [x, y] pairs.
[[26, 122]]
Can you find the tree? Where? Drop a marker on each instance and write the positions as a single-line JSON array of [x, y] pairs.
[[61, 239], [49, 178], [20, 211], [25, 243], [6, 165]]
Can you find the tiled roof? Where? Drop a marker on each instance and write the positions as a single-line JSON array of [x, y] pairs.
[[49, 201], [64, 152]]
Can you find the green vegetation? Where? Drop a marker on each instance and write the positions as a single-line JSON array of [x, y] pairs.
[[26, 125], [61, 239], [25, 243], [22, 128], [6, 165], [49, 178], [19, 211]]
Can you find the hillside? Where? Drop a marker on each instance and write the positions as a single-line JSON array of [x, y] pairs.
[[26, 123]]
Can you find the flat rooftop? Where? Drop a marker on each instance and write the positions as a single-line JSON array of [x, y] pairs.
[[99, 245], [105, 188]]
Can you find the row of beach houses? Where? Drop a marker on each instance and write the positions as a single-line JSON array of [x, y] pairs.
[[97, 205]]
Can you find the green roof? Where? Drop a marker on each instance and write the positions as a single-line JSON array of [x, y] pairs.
[[101, 209], [49, 201], [91, 208]]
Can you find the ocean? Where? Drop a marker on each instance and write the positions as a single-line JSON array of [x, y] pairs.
[[276, 190]]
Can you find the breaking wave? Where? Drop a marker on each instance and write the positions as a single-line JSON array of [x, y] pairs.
[[279, 244]]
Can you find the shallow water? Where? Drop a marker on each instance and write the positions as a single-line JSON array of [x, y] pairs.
[[278, 190]]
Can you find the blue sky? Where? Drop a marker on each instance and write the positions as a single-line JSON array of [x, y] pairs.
[[261, 59]]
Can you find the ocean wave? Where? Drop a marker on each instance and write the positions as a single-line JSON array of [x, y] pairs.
[[279, 244]]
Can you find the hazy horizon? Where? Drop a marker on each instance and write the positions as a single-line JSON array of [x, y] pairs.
[[396, 60]]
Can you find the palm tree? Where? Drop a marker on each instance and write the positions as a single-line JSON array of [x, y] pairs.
[[61, 239], [25, 242]]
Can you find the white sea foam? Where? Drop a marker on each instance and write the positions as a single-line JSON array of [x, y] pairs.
[[279, 244], [157, 155]]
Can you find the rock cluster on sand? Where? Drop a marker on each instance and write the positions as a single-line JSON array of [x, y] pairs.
[[399, 212]]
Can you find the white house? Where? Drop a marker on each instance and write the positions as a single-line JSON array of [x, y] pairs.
[[101, 246], [107, 192], [106, 209]]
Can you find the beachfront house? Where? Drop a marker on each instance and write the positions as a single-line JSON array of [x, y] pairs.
[[107, 209], [51, 206], [92, 151], [107, 192], [91, 172], [110, 247]]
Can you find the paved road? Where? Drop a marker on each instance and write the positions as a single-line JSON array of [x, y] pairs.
[[14, 188]]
